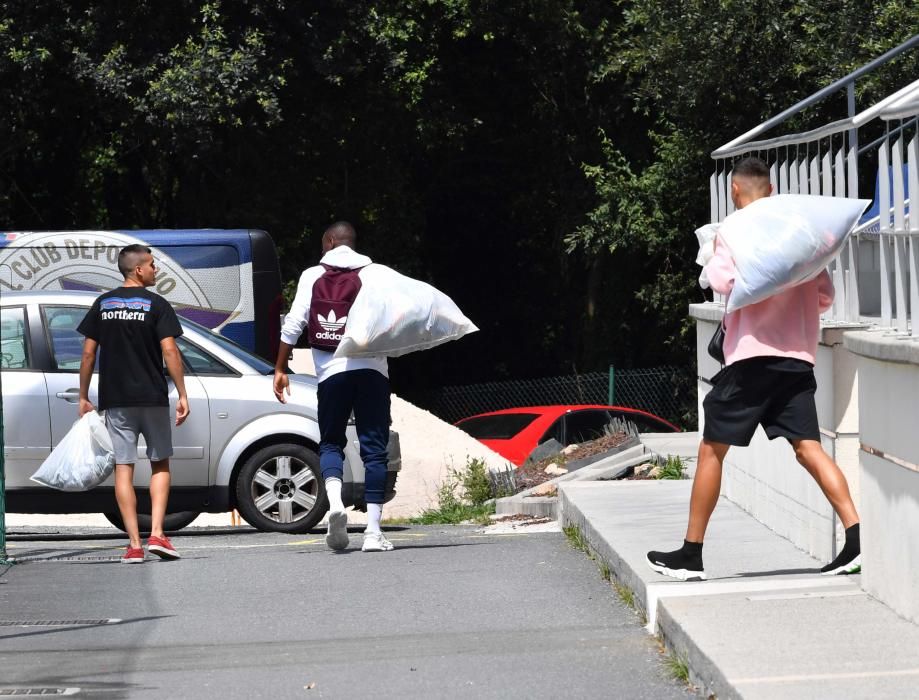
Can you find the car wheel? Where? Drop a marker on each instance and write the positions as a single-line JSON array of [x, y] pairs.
[[172, 522], [280, 489]]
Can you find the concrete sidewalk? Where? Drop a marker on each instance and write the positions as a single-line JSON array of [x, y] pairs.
[[765, 624]]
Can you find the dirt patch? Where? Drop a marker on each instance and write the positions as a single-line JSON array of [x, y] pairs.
[[530, 475], [521, 518]]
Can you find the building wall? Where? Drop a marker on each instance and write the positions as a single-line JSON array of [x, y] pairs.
[[888, 368]]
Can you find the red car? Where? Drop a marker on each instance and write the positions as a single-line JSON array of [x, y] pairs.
[[515, 432]]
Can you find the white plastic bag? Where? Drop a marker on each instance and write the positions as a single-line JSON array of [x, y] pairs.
[[706, 236], [394, 315], [781, 241], [82, 459]]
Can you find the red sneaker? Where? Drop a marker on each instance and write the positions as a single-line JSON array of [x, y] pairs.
[[133, 555], [162, 547]]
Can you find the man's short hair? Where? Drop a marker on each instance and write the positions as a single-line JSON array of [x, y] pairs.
[[127, 258], [751, 167], [342, 232]]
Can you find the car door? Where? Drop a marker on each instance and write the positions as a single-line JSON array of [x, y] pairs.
[[190, 441], [26, 423]]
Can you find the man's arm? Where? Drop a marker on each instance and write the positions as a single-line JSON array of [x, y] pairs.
[[294, 322], [173, 360], [825, 291], [87, 365], [281, 382]]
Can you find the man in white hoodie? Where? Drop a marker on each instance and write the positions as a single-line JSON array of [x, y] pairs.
[[346, 384]]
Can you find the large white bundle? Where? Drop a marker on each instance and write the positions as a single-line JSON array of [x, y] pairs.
[[781, 241], [394, 315], [82, 459]]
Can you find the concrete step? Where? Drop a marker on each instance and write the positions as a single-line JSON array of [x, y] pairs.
[[765, 624]]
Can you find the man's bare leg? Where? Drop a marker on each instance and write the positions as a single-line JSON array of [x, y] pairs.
[[160, 480], [833, 483], [685, 563], [127, 501], [829, 478], [706, 487]]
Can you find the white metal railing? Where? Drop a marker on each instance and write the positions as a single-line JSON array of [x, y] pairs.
[[876, 274], [898, 225]]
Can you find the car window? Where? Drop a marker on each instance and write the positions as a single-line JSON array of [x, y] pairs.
[[198, 361], [645, 424], [235, 349], [14, 352], [584, 426], [66, 344], [554, 432], [500, 427]]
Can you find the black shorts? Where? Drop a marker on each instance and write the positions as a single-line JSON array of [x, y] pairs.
[[775, 392]]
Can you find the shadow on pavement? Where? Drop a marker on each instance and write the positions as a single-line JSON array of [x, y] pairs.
[[62, 629], [774, 572], [55, 685], [59, 536]]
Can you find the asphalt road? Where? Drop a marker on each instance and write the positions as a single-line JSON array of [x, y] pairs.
[[452, 612]]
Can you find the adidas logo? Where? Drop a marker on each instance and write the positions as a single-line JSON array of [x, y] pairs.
[[331, 323]]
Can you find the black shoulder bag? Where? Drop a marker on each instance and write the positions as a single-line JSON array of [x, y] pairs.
[[716, 344]]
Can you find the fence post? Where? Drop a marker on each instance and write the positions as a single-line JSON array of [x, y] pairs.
[[611, 394]]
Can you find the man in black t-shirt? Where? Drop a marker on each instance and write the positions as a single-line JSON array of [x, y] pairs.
[[135, 331]]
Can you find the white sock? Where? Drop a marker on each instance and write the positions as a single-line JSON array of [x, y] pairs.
[[374, 514], [333, 490]]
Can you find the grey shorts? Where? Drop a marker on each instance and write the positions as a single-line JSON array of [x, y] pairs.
[[126, 423]]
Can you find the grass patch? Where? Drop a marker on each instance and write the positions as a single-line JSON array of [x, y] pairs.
[[604, 571], [625, 594], [465, 495], [576, 539], [674, 468], [461, 513], [677, 668]]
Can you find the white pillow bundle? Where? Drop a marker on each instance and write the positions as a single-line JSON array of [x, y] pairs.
[[781, 241], [394, 315]]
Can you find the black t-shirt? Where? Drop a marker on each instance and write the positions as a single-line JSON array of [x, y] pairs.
[[129, 323]]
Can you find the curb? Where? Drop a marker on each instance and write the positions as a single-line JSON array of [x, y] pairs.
[[703, 673]]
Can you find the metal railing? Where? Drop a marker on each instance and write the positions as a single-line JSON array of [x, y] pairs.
[[876, 274]]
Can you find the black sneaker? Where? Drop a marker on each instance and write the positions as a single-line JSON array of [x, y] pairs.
[[849, 560], [684, 563]]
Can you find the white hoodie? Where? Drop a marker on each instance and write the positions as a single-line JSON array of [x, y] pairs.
[[298, 316]]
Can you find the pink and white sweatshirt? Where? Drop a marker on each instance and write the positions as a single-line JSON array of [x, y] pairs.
[[784, 325]]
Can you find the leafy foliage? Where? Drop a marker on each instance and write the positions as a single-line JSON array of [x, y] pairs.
[[543, 162], [465, 495]]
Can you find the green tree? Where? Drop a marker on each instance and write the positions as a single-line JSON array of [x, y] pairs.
[[703, 73]]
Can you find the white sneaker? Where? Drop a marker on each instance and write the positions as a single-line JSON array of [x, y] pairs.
[[375, 542], [337, 537]]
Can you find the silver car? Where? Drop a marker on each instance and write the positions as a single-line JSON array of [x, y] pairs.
[[240, 448]]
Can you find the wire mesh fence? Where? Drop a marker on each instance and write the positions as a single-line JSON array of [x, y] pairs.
[[669, 392]]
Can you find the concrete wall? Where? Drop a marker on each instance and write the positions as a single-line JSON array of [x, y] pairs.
[[765, 479], [888, 368]]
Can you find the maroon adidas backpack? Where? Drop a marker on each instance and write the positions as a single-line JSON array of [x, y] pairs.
[[333, 294]]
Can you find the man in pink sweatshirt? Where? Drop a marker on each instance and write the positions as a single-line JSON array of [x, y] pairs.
[[768, 380]]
